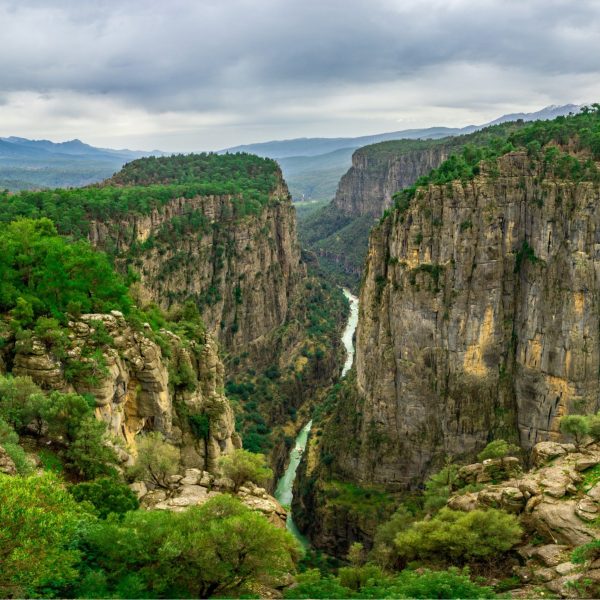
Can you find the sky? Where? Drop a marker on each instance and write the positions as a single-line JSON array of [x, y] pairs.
[[184, 75]]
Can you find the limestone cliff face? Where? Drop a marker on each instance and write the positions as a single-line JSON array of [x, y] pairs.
[[367, 188], [130, 380], [478, 319], [243, 270]]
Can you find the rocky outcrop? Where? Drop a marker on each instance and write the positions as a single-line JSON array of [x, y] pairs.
[[477, 320], [196, 487], [558, 503], [554, 501], [7, 465], [129, 377], [242, 269], [376, 175]]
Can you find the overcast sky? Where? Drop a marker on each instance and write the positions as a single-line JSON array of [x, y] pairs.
[[206, 74]]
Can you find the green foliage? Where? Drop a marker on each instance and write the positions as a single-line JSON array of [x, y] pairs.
[[89, 454], [439, 487], [460, 537], [9, 440], [497, 449], [64, 413], [576, 426], [156, 460], [370, 582], [107, 495], [147, 184], [243, 465], [21, 403], [525, 253], [39, 521], [361, 501], [42, 273], [586, 552], [384, 551], [200, 425], [220, 548]]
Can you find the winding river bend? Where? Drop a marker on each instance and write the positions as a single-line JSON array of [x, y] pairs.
[[284, 490]]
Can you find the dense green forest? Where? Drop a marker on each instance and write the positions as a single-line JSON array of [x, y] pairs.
[[146, 184]]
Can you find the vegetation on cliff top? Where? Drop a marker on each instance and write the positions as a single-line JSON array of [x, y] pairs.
[[543, 140], [147, 184], [59, 547]]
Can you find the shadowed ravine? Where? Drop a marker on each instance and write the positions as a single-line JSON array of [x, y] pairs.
[[284, 490]]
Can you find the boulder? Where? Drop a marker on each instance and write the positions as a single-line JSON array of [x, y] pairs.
[[544, 452], [549, 555], [557, 520], [7, 465], [139, 489]]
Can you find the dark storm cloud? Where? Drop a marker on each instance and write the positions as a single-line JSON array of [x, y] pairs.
[[199, 54], [275, 62]]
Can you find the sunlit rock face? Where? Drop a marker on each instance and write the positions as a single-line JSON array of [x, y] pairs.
[[131, 385], [478, 319]]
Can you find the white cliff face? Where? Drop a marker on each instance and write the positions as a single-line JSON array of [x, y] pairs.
[[132, 388]]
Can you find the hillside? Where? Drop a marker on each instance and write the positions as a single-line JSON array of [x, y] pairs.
[[34, 164], [219, 231], [476, 323]]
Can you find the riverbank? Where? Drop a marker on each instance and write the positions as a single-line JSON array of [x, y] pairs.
[[285, 485]]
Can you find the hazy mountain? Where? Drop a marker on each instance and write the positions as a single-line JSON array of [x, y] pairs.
[[312, 167], [32, 164]]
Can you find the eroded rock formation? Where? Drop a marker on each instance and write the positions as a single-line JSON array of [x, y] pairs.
[[130, 381], [477, 320]]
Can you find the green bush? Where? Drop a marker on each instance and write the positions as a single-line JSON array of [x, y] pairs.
[[370, 582], [220, 548], [156, 461], [460, 536], [39, 522], [242, 466], [107, 495]]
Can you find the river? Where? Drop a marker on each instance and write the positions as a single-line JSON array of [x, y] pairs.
[[284, 491]]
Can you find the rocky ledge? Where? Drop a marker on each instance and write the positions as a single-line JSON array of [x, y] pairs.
[[558, 503], [196, 487]]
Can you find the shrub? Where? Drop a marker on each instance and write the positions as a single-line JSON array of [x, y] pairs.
[[88, 454], [107, 495], [460, 536], [497, 449], [39, 521], [220, 548], [576, 426], [156, 460], [242, 466]]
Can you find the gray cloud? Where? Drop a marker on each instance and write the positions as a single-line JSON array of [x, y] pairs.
[[259, 67]]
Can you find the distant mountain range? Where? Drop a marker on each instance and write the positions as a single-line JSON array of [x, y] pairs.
[[312, 167], [32, 164]]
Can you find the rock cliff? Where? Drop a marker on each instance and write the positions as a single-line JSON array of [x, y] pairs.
[[375, 176], [476, 320], [132, 383], [339, 232], [243, 270]]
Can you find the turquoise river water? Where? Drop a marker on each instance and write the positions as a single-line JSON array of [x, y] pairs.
[[284, 491]]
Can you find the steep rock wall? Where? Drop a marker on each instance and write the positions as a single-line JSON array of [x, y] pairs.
[[478, 318], [368, 186], [242, 269]]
